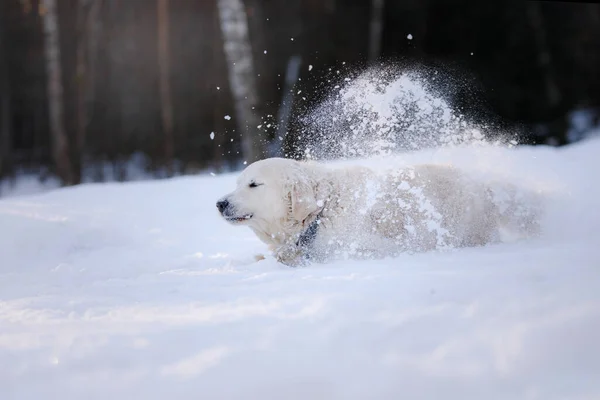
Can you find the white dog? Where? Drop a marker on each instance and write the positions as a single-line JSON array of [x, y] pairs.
[[312, 211]]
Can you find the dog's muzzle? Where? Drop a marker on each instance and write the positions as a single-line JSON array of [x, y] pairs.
[[229, 213], [222, 205]]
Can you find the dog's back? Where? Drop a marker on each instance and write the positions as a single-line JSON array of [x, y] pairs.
[[433, 206]]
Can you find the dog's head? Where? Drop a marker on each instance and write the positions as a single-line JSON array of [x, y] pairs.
[[272, 192]]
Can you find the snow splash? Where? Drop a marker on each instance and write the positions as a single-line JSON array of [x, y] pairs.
[[382, 112]]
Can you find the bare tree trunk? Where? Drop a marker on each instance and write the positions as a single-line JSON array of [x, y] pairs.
[[543, 53], [242, 77], [164, 81], [285, 108], [83, 78], [60, 143], [94, 32], [87, 40], [376, 27], [5, 109], [5, 127], [558, 126], [330, 6], [219, 74]]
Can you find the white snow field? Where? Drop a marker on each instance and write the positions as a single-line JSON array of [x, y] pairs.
[[141, 291]]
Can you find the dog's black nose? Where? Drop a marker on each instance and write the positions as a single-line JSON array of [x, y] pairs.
[[222, 205]]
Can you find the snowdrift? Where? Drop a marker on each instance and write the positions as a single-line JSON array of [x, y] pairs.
[[140, 290]]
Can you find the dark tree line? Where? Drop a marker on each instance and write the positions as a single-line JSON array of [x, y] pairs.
[[88, 83]]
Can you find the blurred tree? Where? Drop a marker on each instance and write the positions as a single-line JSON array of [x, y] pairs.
[[5, 103], [87, 20], [219, 73], [156, 77], [376, 29], [164, 79], [60, 142], [242, 76]]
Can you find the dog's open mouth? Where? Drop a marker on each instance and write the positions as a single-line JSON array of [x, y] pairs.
[[239, 219]]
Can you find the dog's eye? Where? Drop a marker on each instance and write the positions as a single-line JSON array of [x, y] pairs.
[[254, 184]]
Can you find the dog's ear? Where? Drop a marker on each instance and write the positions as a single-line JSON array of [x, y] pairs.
[[302, 193]]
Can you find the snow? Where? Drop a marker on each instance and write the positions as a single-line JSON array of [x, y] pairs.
[[26, 184], [381, 111], [582, 123], [140, 290]]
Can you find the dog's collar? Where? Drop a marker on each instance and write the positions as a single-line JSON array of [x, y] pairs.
[[307, 238]]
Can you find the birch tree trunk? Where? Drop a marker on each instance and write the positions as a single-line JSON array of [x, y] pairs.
[[242, 76], [166, 105], [285, 109], [219, 67], [60, 143]]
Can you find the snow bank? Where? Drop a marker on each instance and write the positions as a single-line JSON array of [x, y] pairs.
[[140, 290]]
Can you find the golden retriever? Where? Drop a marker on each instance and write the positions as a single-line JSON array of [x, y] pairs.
[[311, 211]]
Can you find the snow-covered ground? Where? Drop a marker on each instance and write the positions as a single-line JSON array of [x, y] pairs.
[[140, 291]]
